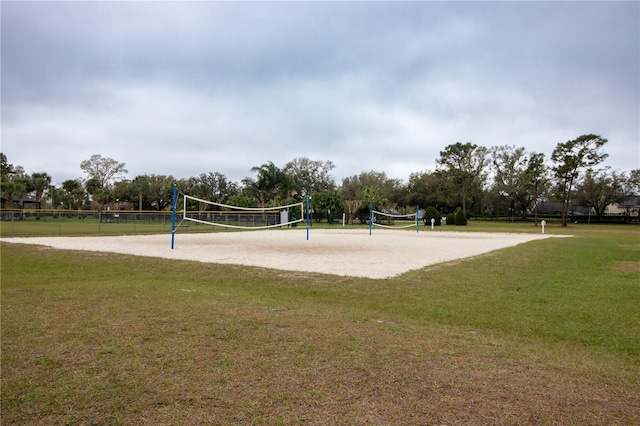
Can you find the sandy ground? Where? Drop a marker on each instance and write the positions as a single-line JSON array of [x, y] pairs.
[[346, 252]]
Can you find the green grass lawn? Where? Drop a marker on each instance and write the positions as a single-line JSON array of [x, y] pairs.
[[547, 332], [83, 224]]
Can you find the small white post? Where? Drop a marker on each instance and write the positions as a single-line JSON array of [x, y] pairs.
[[343, 218], [433, 221], [543, 223]]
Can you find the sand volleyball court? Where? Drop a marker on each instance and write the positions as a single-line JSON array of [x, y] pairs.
[[346, 252]]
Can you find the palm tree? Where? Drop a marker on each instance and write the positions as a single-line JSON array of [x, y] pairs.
[[203, 191], [141, 187], [12, 190], [40, 182], [271, 183], [57, 196], [74, 193]]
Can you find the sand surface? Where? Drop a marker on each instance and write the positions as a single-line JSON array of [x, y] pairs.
[[346, 252]]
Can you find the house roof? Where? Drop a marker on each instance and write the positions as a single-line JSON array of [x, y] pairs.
[[630, 202], [556, 207], [22, 200]]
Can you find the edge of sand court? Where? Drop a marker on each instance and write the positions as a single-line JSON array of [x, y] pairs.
[[346, 252]]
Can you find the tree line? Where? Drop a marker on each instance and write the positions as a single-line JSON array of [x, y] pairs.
[[497, 182]]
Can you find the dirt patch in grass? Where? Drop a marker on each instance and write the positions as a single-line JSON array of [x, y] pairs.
[[284, 366], [633, 267]]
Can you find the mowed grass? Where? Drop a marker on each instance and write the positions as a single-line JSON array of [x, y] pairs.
[[64, 225], [547, 332]]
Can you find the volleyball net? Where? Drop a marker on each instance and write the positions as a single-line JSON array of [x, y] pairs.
[[235, 217], [393, 221]]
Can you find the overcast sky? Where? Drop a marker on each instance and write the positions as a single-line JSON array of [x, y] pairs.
[[184, 88]]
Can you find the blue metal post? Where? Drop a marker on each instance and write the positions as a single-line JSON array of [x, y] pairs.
[[417, 219], [308, 216], [173, 214]]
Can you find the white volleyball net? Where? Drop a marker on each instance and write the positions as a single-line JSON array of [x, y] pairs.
[[243, 218], [394, 221]]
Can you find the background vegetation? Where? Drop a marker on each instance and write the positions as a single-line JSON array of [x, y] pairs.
[[503, 181]]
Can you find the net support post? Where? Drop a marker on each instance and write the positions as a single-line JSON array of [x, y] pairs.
[[370, 216], [308, 218], [417, 218], [174, 202]]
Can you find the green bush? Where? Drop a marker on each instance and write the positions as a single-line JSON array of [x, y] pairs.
[[432, 212], [451, 219], [461, 218]]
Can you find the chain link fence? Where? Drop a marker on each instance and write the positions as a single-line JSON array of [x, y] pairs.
[[20, 223]]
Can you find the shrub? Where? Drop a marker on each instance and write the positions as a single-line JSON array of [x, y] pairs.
[[461, 218], [432, 212], [451, 219]]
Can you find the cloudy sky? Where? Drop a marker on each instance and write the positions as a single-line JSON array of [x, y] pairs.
[[184, 88]]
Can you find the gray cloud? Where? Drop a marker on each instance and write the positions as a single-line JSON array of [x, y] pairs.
[[188, 88]]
